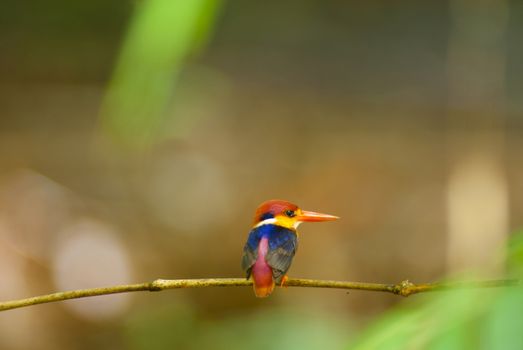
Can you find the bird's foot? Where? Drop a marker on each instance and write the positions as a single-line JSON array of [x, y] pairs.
[[283, 280]]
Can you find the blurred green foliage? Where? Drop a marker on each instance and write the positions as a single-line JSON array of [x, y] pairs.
[[162, 34], [476, 318], [460, 319], [178, 326]]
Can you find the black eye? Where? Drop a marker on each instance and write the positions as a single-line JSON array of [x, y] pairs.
[[290, 213]]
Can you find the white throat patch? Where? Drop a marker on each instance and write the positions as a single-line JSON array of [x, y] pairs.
[[266, 222], [275, 221]]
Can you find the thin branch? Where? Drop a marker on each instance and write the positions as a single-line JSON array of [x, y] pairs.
[[404, 288]]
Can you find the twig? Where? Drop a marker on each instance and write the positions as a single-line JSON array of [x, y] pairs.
[[404, 288]]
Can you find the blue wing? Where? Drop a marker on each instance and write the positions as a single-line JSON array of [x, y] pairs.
[[250, 251], [283, 244]]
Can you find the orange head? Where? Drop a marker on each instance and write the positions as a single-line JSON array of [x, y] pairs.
[[286, 214]]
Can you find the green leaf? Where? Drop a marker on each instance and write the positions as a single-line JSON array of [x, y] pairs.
[[162, 34]]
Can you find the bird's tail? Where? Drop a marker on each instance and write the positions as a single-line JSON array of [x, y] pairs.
[[263, 290]]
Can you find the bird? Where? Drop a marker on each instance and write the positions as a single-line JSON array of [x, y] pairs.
[[272, 243]]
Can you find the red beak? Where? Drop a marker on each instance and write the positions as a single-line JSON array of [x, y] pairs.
[[310, 216]]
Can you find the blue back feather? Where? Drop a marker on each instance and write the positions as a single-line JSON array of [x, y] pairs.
[[277, 236], [283, 243]]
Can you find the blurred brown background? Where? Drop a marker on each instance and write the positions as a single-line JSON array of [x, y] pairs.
[[403, 118]]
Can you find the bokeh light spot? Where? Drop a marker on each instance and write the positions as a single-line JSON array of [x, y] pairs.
[[91, 255], [189, 192]]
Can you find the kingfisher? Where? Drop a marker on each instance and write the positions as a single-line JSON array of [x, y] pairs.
[[272, 243]]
